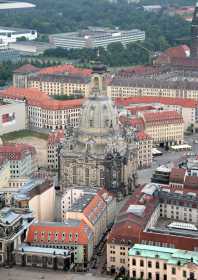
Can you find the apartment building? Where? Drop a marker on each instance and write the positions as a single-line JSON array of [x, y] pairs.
[[154, 262], [164, 127], [144, 149], [73, 194], [21, 157], [23, 73], [35, 194], [91, 208], [154, 216], [68, 85], [128, 87], [55, 140], [44, 112], [188, 108]]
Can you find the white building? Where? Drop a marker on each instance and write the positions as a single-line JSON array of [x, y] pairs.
[[12, 116], [11, 35], [95, 37], [22, 159]]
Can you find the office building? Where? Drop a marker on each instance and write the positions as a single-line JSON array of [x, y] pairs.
[[95, 37]]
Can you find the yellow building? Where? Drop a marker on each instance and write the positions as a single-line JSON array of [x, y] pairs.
[[153, 262], [61, 84], [164, 127], [125, 87]]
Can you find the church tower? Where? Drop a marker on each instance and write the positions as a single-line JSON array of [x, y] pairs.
[[194, 33]]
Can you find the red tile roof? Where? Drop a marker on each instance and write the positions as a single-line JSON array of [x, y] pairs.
[[94, 209], [177, 175], [134, 110], [16, 151], [34, 97], [81, 230], [141, 136], [66, 68], [183, 102], [181, 51], [27, 68], [162, 117], [56, 136], [186, 62]]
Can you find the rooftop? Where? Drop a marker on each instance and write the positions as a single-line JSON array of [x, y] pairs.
[[163, 116], [42, 250], [7, 216], [34, 97]]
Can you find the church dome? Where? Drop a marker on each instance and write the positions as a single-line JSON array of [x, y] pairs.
[[99, 119]]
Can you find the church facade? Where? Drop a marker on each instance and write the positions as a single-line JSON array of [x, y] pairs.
[[98, 152]]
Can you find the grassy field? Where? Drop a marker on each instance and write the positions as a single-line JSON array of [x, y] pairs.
[[22, 134]]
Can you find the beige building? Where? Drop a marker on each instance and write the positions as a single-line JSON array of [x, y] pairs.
[[153, 262], [55, 140], [92, 210], [61, 84], [127, 87], [21, 75], [38, 195], [144, 149], [165, 127], [44, 112]]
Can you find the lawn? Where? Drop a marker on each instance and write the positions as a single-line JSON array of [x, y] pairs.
[[22, 134]]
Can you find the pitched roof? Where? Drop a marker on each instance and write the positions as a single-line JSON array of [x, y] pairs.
[[16, 151], [162, 117], [181, 51], [141, 136], [71, 231], [66, 68], [27, 68], [183, 102], [34, 97], [191, 182]]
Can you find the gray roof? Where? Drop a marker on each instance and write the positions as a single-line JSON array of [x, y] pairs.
[[7, 216], [42, 250]]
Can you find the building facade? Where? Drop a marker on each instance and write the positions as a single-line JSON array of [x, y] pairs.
[[144, 147], [22, 158], [166, 127], [61, 84], [128, 87], [95, 37], [153, 262], [45, 113], [13, 227], [153, 216]]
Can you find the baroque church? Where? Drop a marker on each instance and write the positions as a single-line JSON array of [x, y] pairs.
[[98, 152]]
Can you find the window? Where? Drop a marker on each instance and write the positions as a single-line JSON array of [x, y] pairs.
[[149, 275], [165, 266], [184, 273], [134, 273], [141, 274], [165, 277], [122, 261], [157, 265], [112, 259], [141, 263], [173, 270], [133, 261]]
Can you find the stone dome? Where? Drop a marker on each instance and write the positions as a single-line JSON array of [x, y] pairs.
[[99, 119]]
